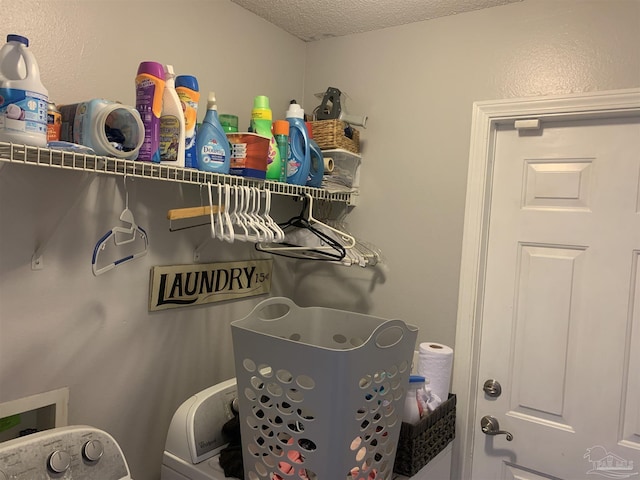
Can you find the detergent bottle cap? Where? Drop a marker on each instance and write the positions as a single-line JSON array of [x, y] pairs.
[[295, 111], [281, 127], [261, 101], [151, 68], [211, 101], [188, 81], [12, 37]]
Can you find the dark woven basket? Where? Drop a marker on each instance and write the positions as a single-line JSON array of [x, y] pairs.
[[420, 443]]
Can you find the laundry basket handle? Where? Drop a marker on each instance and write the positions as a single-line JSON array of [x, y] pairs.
[[390, 333], [286, 304]]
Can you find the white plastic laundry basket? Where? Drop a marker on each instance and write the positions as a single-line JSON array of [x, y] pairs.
[[321, 391]]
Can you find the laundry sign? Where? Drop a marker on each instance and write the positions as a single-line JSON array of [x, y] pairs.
[[197, 284]]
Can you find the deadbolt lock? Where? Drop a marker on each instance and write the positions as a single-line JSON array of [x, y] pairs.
[[492, 388]]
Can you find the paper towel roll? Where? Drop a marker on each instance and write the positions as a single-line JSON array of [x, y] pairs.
[[435, 362]]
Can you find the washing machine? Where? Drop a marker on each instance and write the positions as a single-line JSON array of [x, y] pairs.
[[195, 439], [74, 453]]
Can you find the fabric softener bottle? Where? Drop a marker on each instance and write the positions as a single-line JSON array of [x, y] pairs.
[[211, 142], [261, 120], [299, 160]]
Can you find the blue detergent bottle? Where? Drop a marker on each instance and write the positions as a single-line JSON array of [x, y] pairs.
[[212, 146], [299, 159], [316, 160]]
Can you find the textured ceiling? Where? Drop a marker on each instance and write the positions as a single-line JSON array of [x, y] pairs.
[[312, 20]]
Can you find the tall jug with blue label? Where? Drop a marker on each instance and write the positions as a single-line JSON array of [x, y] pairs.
[[299, 160], [23, 98], [316, 162]]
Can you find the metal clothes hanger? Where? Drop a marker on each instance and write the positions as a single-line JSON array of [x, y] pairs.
[[320, 245], [130, 233]]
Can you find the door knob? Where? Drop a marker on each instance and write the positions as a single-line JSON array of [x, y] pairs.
[[492, 388], [490, 426]]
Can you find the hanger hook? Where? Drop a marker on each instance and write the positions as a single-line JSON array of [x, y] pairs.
[[201, 197], [126, 192]]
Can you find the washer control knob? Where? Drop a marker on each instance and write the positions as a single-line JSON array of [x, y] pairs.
[[93, 450], [59, 461]]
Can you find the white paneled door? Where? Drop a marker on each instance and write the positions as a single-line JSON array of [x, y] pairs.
[[561, 303]]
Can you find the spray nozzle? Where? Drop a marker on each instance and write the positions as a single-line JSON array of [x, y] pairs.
[[211, 101]]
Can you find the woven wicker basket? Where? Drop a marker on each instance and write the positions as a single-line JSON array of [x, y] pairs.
[[420, 443], [330, 134]]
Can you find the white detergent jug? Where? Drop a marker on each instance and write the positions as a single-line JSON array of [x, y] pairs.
[[23, 98]]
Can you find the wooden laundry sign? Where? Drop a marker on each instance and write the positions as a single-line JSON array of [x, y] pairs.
[[187, 285]]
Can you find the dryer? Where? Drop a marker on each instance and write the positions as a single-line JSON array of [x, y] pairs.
[[75, 452], [195, 439]]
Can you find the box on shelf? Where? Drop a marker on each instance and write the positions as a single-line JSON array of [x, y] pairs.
[[346, 170], [420, 443], [249, 154], [330, 134]]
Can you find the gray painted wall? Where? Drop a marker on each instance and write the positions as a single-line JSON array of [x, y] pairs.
[[127, 369]]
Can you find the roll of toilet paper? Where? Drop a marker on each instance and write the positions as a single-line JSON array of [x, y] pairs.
[[435, 363]]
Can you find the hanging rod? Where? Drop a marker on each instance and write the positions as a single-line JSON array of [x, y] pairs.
[[44, 157]]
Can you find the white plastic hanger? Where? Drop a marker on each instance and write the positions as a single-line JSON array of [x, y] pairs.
[[221, 224], [120, 236], [227, 227], [347, 240], [240, 229], [268, 219], [259, 234], [268, 234], [244, 200]]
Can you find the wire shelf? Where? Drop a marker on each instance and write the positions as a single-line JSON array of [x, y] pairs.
[[44, 157]]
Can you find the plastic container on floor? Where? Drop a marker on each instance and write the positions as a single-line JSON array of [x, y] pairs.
[[316, 384]]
